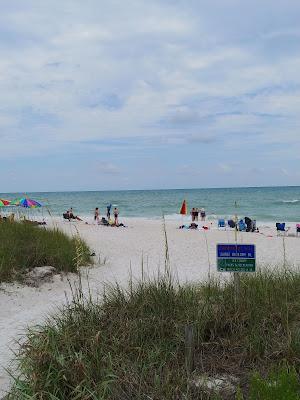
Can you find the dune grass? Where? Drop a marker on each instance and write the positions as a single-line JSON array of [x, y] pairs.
[[24, 246], [131, 344]]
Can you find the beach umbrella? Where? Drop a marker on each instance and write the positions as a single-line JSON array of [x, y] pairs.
[[183, 210], [4, 203], [27, 203]]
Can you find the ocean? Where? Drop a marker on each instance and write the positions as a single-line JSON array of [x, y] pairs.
[[264, 204]]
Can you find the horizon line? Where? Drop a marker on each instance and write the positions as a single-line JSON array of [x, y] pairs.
[[155, 189]]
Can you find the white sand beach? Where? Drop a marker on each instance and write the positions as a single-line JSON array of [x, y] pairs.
[[121, 252]]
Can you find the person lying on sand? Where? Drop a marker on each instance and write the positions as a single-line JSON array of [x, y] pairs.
[[30, 222], [111, 223], [70, 215], [103, 222], [193, 225]]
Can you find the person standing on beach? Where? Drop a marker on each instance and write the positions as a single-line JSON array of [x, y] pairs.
[[193, 214], [116, 215], [96, 215], [108, 208], [196, 213], [202, 214]]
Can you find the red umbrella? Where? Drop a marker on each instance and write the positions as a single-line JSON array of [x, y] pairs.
[[183, 210], [4, 203]]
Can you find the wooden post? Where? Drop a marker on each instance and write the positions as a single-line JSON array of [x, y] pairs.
[[236, 281], [189, 348]]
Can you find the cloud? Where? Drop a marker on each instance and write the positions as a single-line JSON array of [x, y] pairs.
[[106, 168], [225, 168], [284, 171], [109, 101], [257, 171], [151, 75]]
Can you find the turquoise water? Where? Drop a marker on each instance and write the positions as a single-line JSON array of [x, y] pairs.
[[263, 204]]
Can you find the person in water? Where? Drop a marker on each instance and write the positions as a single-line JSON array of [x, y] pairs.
[[96, 215], [116, 216]]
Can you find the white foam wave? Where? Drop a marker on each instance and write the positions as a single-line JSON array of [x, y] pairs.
[[291, 201]]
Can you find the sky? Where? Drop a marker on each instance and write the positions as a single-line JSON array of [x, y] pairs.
[[101, 95]]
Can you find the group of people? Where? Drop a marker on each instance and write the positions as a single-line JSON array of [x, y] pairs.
[[195, 212], [69, 214], [107, 221]]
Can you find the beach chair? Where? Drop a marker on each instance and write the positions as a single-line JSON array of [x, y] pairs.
[[281, 229], [231, 223], [250, 224], [221, 223], [242, 226], [297, 229], [103, 222]]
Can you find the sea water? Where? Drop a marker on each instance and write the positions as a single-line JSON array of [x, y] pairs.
[[261, 203]]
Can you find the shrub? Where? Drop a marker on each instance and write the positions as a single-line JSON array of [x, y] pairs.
[[24, 246], [282, 383], [131, 344]]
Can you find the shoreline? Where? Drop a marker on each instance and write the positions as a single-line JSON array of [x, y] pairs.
[[172, 218], [212, 224]]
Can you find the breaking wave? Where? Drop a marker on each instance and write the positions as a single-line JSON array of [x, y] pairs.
[[290, 201]]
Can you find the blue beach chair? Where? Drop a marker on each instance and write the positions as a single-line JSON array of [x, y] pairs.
[[281, 229], [242, 226], [221, 223]]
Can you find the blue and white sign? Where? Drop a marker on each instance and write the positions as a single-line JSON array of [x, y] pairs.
[[236, 257]]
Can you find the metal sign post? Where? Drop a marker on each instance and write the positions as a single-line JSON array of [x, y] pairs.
[[236, 258], [236, 276]]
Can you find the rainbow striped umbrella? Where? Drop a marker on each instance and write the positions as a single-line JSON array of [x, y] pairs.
[[4, 203], [27, 203]]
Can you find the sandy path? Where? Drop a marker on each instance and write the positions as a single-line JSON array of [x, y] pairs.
[[124, 250]]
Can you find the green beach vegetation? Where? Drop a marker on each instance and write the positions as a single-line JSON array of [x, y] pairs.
[[131, 344], [24, 246]]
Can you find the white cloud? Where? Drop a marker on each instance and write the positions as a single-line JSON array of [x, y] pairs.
[[207, 69], [225, 168], [107, 168]]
